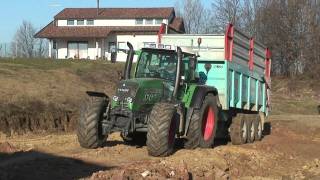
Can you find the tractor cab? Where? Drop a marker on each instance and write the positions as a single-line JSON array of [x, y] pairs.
[[159, 76]]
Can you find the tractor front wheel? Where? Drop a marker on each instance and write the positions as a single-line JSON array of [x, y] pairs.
[[162, 127], [89, 130]]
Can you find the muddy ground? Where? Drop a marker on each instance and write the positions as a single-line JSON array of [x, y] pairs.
[[39, 106], [290, 151]]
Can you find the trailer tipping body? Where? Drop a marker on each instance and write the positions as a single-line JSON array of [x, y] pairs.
[[236, 64]]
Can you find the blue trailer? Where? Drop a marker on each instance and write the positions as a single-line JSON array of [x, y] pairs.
[[239, 67]]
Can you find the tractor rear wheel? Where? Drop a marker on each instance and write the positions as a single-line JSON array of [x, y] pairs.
[[162, 127], [239, 130], [89, 130], [203, 124]]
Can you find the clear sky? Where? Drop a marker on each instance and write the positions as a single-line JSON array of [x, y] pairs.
[[41, 12]]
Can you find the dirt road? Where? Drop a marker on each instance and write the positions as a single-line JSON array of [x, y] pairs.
[[290, 151]]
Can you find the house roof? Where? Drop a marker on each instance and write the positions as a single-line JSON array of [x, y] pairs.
[[114, 13], [52, 31], [177, 25]]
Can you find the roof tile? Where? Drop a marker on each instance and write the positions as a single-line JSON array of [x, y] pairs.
[[117, 13]]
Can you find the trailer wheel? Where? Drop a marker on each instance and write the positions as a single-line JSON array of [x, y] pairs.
[[162, 127], [239, 130], [258, 128], [251, 130], [89, 129], [203, 125]]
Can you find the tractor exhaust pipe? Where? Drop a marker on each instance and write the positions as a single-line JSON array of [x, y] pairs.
[[127, 70], [178, 76]]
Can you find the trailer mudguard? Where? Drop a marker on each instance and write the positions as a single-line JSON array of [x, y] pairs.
[[200, 93]]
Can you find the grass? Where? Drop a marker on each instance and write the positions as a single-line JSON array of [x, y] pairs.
[[51, 80], [299, 95], [36, 89], [55, 80], [49, 64]]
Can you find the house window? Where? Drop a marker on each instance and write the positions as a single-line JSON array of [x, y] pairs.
[[70, 22], [78, 50], [139, 21], [122, 45], [149, 21], [54, 45], [80, 22], [90, 22], [149, 44], [159, 21]]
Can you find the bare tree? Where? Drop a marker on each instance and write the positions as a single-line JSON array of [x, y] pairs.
[[226, 11], [42, 48], [25, 45], [193, 14]]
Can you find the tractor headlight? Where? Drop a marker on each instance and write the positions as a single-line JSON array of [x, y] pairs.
[[115, 98], [129, 99]]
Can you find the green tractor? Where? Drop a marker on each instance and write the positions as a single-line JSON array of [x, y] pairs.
[[164, 100]]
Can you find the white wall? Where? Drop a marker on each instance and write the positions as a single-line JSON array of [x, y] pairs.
[[93, 50], [62, 49], [103, 45], [137, 42]]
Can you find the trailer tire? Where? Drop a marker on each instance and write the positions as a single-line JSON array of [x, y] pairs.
[[251, 129], [162, 127], [203, 124], [89, 129], [258, 128], [238, 130]]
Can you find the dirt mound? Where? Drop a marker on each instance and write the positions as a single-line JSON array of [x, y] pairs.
[[45, 95], [155, 170], [35, 116], [7, 148]]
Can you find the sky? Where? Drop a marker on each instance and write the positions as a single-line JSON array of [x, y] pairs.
[[41, 12]]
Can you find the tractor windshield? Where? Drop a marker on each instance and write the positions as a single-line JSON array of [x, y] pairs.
[[157, 64]]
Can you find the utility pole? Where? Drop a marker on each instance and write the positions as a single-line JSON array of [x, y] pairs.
[[5, 50], [98, 7], [16, 50]]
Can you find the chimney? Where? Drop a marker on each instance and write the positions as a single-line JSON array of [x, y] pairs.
[[98, 5]]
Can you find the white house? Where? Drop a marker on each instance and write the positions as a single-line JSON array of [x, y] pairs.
[[92, 33]]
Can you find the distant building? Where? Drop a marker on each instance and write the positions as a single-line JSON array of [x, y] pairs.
[[92, 33]]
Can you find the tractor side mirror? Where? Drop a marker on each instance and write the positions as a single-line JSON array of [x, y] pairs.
[[192, 63], [192, 68]]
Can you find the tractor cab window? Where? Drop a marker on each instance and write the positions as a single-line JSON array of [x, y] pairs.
[[157, 64]]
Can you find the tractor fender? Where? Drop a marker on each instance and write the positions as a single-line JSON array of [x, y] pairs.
[[200, 93], [97, 94]]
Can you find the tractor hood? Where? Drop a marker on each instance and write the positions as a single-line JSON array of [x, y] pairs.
[[141, 92]]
